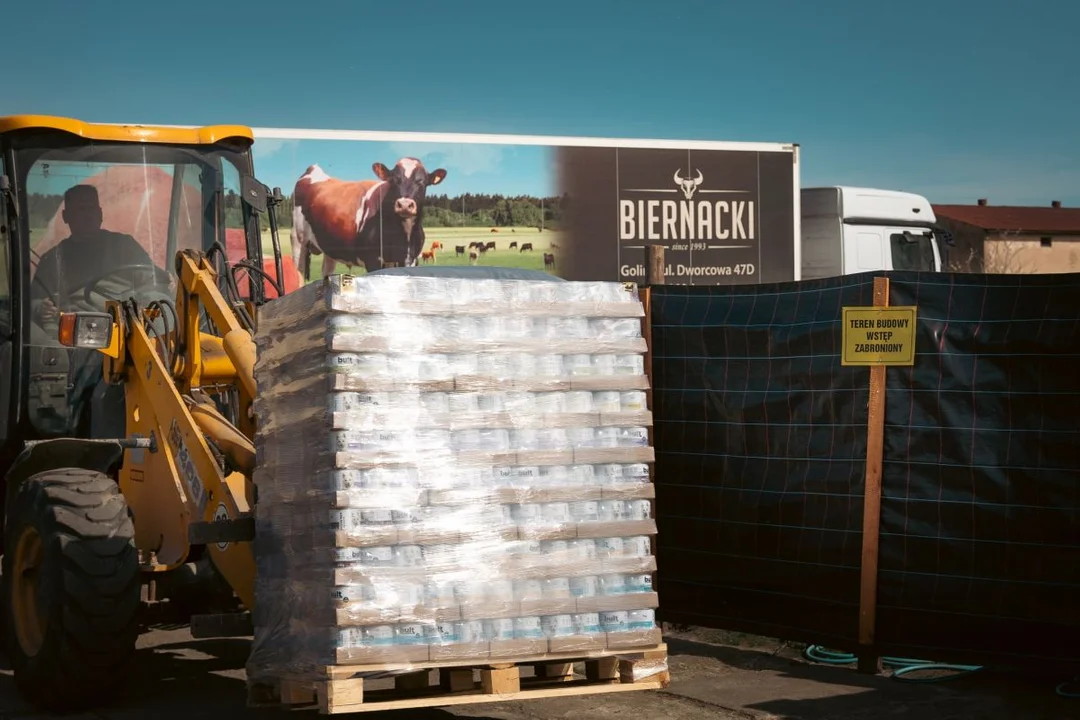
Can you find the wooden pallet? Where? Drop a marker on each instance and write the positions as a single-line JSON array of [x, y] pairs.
[[457, 684]]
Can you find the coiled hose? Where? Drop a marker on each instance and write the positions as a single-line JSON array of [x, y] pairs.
[[901, 667], [1060, 689]]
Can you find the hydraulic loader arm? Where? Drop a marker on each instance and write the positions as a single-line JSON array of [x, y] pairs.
[[199, 467]]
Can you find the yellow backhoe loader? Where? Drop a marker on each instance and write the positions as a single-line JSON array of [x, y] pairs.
[[126, 387]]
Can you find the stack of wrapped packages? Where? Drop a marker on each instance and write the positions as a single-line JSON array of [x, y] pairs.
[[451, 469]]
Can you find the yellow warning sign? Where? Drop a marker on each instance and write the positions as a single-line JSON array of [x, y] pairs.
[[879, 336]]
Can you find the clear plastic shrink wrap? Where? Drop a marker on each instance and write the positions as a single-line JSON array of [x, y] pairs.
[[450, 469]]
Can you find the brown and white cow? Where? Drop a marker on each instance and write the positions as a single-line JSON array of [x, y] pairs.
[[361, 222]]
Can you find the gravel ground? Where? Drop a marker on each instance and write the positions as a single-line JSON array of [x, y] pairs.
[[715, 675]]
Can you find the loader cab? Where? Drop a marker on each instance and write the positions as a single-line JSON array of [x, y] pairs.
[[118, 201], [849, 230]]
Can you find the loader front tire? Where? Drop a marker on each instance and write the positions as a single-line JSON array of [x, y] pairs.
[[71, 589]]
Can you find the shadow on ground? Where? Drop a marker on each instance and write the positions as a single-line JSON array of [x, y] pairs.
[[177, 677], [778, 682], [193, 679]]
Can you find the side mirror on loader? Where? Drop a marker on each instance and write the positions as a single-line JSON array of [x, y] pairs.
[[254, 193], [263, 200]]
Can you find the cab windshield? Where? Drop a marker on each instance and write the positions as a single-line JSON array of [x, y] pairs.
[[104, 222], [913, 252]]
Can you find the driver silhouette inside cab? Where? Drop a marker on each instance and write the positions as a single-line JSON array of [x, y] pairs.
[[84, 256]]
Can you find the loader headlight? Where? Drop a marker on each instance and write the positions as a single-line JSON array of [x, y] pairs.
[[87, 330]]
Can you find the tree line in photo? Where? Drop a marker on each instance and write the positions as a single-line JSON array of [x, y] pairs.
[[465, 210]]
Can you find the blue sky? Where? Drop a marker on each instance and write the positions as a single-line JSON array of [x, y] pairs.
[[955, 99], [476, 168]]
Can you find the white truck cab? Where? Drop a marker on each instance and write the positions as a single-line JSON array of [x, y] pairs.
[[848, 230]]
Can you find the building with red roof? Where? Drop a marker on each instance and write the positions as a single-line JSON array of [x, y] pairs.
[[1012, 238]]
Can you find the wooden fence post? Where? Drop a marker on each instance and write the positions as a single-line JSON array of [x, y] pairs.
[[869, 661], [654, 264], [654, 275]]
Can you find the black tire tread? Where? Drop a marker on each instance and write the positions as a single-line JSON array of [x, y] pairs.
[[93, 626]]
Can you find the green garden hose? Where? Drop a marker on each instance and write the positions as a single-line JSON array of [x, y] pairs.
[[900, 666], [903, 666], [1060, 689]]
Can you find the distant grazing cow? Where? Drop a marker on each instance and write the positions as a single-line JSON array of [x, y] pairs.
[[481, 247], [494, 229], [513, 245], [491, 245], [437, 245], [525, 246], [362, 222], [513, 230], [473, 244], [473, 257], [428, 256], [459, 250], [549, 260]]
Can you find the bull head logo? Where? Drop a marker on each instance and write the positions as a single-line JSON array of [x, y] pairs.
[[687, 185]]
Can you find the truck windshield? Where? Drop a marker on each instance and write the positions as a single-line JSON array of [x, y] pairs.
[[104, 221], [913, 252]]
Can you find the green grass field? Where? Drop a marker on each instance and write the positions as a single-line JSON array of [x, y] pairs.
[[501, 256]]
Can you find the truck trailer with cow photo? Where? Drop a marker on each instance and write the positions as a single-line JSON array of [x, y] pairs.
[[585, 208]]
